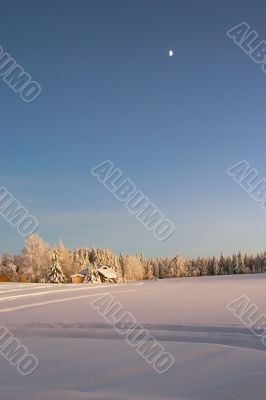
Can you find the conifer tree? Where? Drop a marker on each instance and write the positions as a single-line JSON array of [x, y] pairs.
[[235, 265], [56, 274], [93, 275]]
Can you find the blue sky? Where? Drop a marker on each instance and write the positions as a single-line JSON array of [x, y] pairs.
[[172, 125]]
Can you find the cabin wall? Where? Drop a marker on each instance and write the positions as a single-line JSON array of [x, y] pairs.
[[4, 278]]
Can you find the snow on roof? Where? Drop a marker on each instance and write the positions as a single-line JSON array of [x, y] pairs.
[[84, 271], [107, 272], [77, 275]]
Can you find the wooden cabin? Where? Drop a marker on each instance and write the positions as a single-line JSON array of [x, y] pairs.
[[77, 278], [5, 278], [107, 274]]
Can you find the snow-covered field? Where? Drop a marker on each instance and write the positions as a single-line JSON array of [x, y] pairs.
[[81, 357]]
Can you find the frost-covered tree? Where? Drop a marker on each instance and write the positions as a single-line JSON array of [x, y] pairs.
[[7, 266], [102, 256], [34, 258], [263, 261], [92, 275], [38, 260], [241, 265], [66, 259], [80, 259], [133, 269], [56, 274], [235, 264], [147, 267], [216, 267], [229, 267], [222, 265], [122, 265], [179, 266]]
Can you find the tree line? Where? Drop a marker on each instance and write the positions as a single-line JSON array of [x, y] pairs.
[[39, 262]]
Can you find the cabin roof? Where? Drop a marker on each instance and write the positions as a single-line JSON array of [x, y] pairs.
[[84, 271], [107, 272], [77, 275]]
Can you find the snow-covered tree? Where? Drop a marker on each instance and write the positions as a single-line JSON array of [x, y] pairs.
[[216, 267], [179, 266], [241, 265], [235, 264], [102, 256], [34, 258], [133, 269], [222, 265], [7, 266], [66, 259], [55, 274], [80, 258], [93, 275]]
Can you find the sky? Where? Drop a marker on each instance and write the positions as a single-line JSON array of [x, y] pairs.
[[172, 125]]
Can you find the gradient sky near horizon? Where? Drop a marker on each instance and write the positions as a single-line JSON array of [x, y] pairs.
[[173, 125]]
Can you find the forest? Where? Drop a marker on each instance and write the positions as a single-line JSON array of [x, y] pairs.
[[40, 262]]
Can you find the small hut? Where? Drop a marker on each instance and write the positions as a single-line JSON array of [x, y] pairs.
[[77, 278], [4, 278], [98, 274], [107, 274]]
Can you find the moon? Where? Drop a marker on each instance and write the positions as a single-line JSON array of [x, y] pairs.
[[171, 53]]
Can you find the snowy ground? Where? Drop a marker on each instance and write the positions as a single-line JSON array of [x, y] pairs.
[[81, 357]]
